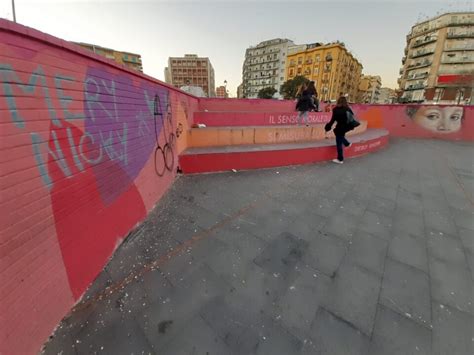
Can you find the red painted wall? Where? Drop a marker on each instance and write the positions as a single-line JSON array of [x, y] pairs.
[[250, 105], [413, 121], [271, 118], [77, 158]]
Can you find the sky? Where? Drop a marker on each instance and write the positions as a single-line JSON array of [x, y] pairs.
[[374, 31]]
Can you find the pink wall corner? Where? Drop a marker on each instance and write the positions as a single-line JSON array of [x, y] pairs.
[[76, 166]]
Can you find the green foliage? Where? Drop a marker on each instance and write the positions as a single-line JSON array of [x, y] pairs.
[[266, 93], [290, 87]]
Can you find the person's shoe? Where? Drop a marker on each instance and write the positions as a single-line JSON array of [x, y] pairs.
[[337, 161]]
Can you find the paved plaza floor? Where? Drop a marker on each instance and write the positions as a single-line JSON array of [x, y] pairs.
[[371, 257]]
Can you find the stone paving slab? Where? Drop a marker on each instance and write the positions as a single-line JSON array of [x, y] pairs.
[[371, 257]]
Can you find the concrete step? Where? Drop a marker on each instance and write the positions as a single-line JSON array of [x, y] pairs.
[[256, 156], [230, 136]]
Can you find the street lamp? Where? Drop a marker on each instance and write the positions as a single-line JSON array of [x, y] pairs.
[[225, 89], [13, 9], [329, 67]]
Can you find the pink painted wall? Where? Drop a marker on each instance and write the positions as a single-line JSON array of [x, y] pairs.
[[271, 118], [413, 121], [77, 158], [251, 105], [421, 121]]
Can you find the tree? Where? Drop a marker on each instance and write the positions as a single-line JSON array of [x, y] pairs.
[[290, 87], [266, 93]]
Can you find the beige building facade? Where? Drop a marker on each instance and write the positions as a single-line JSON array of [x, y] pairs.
[[438, 65], [193, 71], [264, 66], [331, 66], [130, 60], [387, 96], [369, 89]]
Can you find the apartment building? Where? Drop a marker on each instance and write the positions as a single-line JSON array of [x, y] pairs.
[[438, 65], [240, 91], [130, 60], [221, 92], [331, 66], [264, 66], [193, 71], [387, 96], [369, 89]]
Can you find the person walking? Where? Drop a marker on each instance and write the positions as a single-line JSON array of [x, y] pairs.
[[304, 104], [339, 115], [314, 96]]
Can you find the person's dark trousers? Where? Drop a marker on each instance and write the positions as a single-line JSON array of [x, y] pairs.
[[341, 140]]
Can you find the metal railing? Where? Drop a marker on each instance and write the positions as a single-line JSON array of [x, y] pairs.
[[460, 34], [419, 43], [457, 60], [469, 47], [419, 64], [422, 53], [415, 87]]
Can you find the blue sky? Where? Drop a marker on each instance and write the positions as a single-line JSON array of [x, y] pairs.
[[372, 30]]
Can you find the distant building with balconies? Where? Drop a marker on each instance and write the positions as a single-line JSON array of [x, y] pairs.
[[387, 96], [191, 71], [438, 65], [331, 66], [221, 92], [369, 89], [264, 66], [130, 60], [240, 91]]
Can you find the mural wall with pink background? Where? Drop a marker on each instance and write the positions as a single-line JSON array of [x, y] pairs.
[[87, 149]]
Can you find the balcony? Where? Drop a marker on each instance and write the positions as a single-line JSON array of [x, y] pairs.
[[419, 42], [469, 47], [415, 86], [467, 34], [425, 63], [422, 53], [404, 59], [134, 60], [458, 60], [417, 76], [401, 71]]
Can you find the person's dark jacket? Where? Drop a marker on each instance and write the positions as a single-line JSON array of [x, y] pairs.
[[305, 102], [339, 116]]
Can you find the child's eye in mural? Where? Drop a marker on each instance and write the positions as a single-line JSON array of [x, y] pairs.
[[437, 119], [456, 117]]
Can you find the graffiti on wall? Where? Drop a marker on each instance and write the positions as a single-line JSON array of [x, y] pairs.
[[90, 135], [119, 120]]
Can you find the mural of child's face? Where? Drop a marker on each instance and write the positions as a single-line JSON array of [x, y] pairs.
[[439, 119]]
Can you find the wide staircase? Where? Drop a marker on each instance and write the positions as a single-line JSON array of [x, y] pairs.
[[254, 134]]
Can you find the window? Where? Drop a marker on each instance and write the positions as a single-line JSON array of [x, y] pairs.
[[282, 78], [300, 60]]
